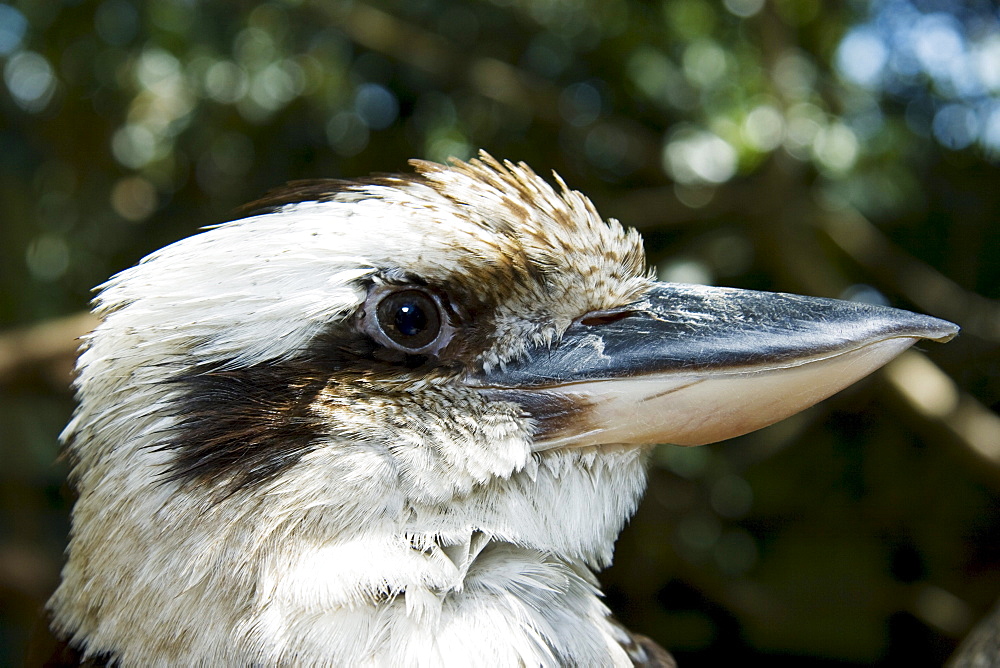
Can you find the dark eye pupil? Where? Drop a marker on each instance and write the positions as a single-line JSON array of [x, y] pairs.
[[410, 320]]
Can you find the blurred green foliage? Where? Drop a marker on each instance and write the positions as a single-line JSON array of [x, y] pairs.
[[843, 149]]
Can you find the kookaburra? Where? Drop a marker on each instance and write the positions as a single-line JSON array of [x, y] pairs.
[[401, 422]]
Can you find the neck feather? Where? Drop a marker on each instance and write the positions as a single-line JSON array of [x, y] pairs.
[[476, 602]]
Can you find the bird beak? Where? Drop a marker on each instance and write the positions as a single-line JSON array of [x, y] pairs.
[[691, 364]]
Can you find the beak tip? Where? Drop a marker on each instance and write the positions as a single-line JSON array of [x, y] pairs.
[[948, 331], [927, 327]]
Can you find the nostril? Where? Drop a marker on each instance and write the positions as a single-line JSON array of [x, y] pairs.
[[597, 318]]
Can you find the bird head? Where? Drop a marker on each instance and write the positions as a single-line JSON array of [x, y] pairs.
[[462, 357]]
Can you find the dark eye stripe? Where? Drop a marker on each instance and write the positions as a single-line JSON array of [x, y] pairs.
[[245, 426]]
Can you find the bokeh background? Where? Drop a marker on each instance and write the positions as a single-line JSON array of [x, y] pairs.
[[847, 149]]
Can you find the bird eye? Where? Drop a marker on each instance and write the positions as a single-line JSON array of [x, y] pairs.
[[409, 318]]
